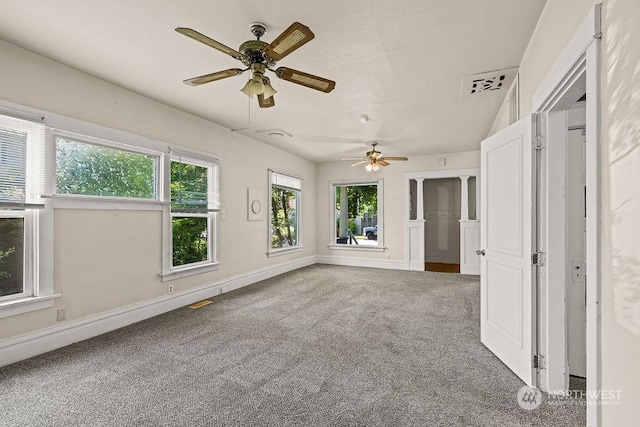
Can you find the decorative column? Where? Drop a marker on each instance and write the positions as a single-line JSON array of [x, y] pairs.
[[420, 199], [469, 231], [416, 243], [464, 205], [478, 198]]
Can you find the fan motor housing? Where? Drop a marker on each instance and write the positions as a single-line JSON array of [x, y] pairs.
[[253, 52]]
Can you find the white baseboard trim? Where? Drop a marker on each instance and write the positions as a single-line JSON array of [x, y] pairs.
[[32, 344], [362, 262]]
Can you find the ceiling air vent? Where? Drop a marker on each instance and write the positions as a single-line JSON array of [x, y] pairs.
[[487, 82], [274, 133]]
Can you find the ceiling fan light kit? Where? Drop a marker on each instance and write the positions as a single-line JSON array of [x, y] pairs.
[[259, 57], [373, 159]]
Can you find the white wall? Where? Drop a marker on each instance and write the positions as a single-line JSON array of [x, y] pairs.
[[620, 174], [105, 259], [394, 200]]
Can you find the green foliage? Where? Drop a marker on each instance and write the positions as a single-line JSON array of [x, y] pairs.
[[102, 171], [284, 217], [189, 185], [189, 240], [11, 255], [361, 200], [189, 190]]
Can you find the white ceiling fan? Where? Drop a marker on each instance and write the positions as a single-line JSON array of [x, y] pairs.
[[259, 56], [374, 159]]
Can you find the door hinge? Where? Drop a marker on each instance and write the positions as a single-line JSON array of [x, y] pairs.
[[538, 362], [539, 143], [538, 258]]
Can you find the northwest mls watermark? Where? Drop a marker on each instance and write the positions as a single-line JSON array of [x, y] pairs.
[[531, 398]]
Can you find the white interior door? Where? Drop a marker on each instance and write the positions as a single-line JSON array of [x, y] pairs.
[[507, 306]]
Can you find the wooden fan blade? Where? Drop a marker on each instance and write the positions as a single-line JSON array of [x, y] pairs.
[[290, 39], [209, 42], [360, 163], [382, 162], [393, 158], [305, 79], [353, 158], [207, 78], [266, 103]]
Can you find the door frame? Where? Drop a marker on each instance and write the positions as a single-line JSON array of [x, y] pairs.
[[579, 64], [416, 228]]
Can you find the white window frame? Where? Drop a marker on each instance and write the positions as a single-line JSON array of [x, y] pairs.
[[89, 201], [332, 213], [171, 272], [38, 291], [299, 228], [30, 219]]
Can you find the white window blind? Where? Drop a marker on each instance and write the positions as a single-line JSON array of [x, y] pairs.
[[21, 162], [286, 181], [194, 195]]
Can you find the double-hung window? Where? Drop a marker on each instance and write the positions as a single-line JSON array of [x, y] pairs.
[[284, 212], [21, 185], [192, 218]]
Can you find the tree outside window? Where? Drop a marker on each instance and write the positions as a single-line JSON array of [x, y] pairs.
[[357, 214], [189, 217], [285, 211], [94, 170]]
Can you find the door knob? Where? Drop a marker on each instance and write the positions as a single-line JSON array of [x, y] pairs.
[[480, 252]]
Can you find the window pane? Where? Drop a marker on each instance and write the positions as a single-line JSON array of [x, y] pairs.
[[357, 215], [189, 186], [189, 240], [94, 170], [11, 256], [13, 165], [284, 217]]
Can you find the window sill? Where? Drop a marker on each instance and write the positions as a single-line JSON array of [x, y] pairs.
[[285, 251], [26, 305], [63, 201], [189, 271], [358, 248]]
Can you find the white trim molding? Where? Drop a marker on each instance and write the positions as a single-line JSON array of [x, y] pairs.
[[415, 229], [362, 262], [32, 344], [577, 66]]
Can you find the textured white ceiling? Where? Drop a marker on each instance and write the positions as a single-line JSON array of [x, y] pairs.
[[401, 62]]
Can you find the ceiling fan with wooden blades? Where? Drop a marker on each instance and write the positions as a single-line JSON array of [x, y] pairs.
[[374, 159], [259, 57]]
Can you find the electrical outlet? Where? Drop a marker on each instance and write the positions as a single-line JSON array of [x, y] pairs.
[[62, 314], [170, 289]]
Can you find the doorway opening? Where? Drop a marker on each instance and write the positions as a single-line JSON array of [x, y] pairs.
[[568, 228], [575, 264], [442, 225], [442, 213]]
